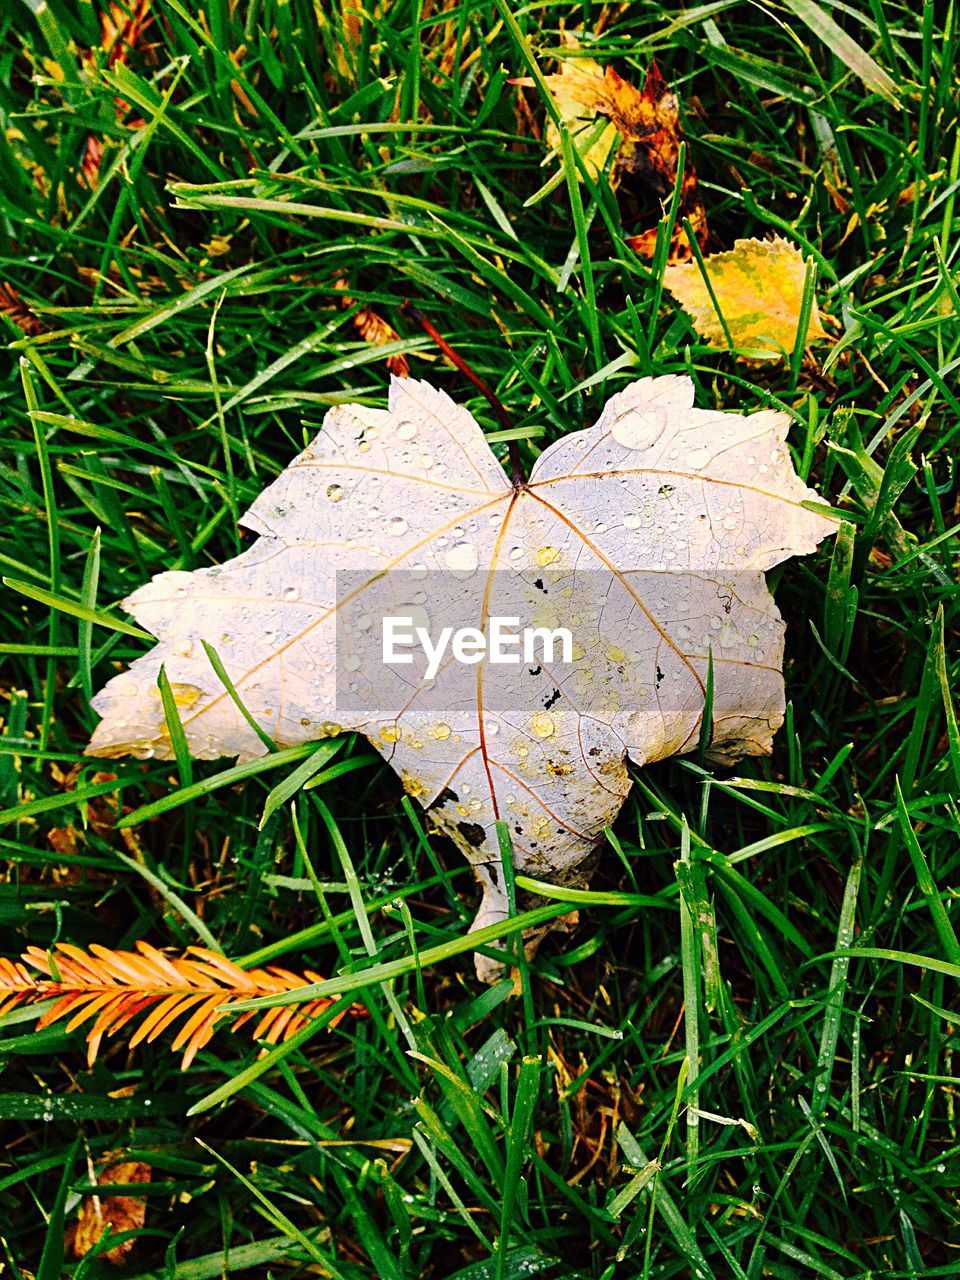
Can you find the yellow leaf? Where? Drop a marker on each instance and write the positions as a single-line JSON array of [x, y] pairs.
[[758, 286], [53, 70], [374, 329], [580, 92]]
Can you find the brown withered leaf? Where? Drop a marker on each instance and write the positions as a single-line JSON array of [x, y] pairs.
[[374, 329], [644, 127], [758, 286], [91, 161], [579, 87], [118, 1212], [15, 309], [102, 810], [63, 839], [342, 26], [122, 27], [444, 43], [123, 24]]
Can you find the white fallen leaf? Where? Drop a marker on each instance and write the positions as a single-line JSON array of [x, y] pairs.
[[646, 537]]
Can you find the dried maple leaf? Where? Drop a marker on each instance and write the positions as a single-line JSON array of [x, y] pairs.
[[120, 1213], [646, 124], [758, 286], [648, 534], [581, 90]]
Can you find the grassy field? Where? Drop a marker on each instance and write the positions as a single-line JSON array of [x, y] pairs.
[[176, 211]]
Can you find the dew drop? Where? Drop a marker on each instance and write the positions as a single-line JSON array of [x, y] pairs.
[[639, 429], [542, 724], [462, 558]]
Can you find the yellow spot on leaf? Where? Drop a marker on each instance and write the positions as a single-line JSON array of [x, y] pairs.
[[542, 724], [184, 695]]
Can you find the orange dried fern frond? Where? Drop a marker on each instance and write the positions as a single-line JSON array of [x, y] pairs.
[[108, 989]]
